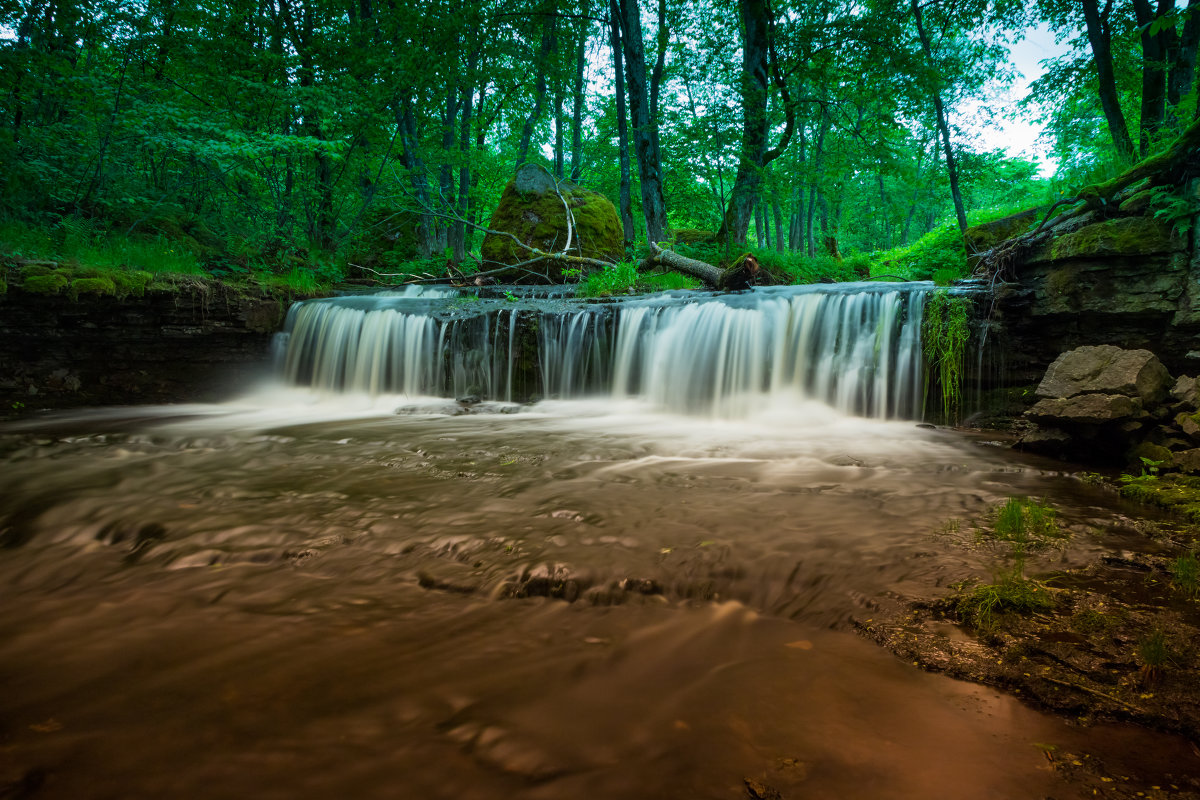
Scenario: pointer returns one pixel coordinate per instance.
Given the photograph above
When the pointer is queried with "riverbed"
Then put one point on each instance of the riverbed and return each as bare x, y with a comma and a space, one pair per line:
409, 597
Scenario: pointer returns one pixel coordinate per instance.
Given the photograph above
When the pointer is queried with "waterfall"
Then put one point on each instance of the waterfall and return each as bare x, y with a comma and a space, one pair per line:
855, 347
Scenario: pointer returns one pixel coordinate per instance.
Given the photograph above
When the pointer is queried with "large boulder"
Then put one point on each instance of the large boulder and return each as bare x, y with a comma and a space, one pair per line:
1096, 403
1106, 369
533, 209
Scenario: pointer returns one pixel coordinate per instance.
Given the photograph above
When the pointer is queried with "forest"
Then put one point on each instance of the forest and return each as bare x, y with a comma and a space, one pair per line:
308, 141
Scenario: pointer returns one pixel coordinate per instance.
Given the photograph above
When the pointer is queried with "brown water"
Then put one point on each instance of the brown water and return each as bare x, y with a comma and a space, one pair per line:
580, 601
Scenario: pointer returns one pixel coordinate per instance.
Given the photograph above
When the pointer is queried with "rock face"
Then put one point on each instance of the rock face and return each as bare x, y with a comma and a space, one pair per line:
532, 210
1132, 281
201, 343
1116, 406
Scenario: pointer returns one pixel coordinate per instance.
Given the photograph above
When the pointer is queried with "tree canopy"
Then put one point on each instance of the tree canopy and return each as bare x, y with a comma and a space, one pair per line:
283, 132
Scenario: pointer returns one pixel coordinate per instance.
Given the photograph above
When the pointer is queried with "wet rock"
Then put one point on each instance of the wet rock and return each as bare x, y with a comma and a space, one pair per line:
760, 791
1046, 441
1186, 391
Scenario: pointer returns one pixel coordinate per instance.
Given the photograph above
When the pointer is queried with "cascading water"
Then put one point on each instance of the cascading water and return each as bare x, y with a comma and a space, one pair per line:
855, 347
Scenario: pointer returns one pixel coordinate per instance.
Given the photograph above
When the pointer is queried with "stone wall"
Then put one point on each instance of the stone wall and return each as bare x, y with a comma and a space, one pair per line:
199, 343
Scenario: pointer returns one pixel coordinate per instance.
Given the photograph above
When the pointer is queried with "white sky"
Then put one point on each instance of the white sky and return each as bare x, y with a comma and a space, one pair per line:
1011, 129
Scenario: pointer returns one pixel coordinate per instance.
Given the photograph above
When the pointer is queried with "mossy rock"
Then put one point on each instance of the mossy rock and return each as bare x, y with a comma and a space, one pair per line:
987, 235
1126, 236
96, 286
37, 271
54, 283
131, 283
531, 210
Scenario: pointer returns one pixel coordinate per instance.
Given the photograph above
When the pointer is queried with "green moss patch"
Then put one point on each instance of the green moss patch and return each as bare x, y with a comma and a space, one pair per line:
1125, 236
96, 286
53, 283
1178, 494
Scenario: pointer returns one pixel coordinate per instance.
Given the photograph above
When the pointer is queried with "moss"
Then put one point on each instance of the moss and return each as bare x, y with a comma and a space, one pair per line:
692, 236
983, 237
53, 283
37, 271
131, 283
539, 221
1124, 236
3, 286
1060, 281
96, 286
1178, 494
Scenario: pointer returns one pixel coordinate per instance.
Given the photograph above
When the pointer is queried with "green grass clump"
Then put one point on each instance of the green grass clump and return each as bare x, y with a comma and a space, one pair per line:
613, 280
940, 252
53, 283
1011, 592
1185, 575
667, 282
1025, 523
945, 331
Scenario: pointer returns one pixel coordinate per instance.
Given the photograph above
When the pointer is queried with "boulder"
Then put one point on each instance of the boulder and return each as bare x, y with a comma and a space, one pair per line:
1088, 409
532, 210
1186, 391
1106, 369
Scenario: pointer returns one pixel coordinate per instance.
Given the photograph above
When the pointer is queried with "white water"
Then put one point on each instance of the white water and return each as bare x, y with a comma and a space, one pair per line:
855, 347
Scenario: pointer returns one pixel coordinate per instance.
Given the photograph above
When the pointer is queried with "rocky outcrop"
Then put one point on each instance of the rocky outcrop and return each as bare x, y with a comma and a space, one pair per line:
1111, 405
533, 210
199, 342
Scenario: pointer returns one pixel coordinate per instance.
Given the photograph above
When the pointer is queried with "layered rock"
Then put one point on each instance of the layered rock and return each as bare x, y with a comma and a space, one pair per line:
1118, 406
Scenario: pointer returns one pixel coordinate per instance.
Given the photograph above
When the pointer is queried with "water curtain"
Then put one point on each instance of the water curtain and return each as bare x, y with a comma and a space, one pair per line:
855, 347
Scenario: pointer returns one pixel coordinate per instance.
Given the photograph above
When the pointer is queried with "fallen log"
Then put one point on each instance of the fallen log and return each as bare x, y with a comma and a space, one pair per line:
744, 273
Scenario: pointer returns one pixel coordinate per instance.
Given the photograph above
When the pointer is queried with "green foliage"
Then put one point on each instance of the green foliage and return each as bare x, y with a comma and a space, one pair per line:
1011, 592
617, 279
945, 331
1176, 206
667, 282
1185, 575
939, 252
1154, 652
1025, 524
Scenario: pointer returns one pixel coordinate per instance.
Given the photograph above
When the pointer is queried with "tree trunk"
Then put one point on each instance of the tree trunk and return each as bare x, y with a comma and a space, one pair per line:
754, 121
778, 212
459, 242
577, 110
539, 100
1100, 39
943, 126
1183, 66
1154, 72
758, 224
412, 162
626, 199
818, 164
446, 173
690, 266
645, 125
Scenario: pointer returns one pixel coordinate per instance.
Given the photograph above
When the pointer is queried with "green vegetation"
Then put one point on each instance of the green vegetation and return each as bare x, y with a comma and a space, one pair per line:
945, 331
1185, 575
624, 278
1011, 592
1178, 494
1154, 653
1025, 524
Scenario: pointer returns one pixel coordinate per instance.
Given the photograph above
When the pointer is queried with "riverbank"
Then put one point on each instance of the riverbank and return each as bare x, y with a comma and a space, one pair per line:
1096, 619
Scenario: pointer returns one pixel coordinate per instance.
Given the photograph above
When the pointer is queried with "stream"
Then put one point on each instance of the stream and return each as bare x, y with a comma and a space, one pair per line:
300, 594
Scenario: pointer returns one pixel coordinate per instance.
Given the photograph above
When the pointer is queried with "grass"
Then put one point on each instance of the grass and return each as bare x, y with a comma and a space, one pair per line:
1024, 524
1179, 494
1154, 653
1185, 575
624, 278
1011, 592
